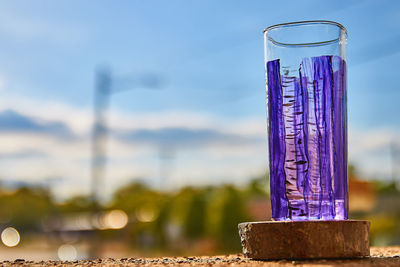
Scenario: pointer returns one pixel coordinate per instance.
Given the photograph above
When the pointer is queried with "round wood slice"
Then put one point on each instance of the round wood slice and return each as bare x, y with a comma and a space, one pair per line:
305, 239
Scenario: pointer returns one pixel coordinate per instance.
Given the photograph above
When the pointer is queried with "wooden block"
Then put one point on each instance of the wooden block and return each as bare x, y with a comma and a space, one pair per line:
305, 239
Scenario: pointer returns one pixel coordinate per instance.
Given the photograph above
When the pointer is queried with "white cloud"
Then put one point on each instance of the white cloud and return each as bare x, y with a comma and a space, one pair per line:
370, 151
212, 162
79, 120
70, 159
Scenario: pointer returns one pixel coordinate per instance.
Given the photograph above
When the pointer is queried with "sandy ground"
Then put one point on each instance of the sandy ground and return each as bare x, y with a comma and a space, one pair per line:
385, 256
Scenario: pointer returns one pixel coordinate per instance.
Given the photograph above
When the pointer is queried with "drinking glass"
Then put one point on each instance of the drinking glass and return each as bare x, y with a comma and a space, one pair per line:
305, 65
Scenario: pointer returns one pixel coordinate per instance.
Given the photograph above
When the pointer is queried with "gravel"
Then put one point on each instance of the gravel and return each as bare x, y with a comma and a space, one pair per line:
384, 256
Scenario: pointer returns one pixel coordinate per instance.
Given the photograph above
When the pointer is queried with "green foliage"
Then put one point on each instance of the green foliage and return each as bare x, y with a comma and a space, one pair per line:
385, 188
76, 204
179, 221
196, 213
351, 170
257, 187
231, 213
25, 208
195, 219
147, 209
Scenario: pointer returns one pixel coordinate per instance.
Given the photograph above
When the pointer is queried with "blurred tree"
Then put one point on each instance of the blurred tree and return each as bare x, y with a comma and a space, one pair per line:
384, 188
76, 204
161, 224
231, 213
351, 171
25, 208
148, 211
194, 222
257, 187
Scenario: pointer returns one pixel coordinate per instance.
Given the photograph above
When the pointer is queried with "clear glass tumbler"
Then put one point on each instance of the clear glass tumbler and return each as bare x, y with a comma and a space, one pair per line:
307, 120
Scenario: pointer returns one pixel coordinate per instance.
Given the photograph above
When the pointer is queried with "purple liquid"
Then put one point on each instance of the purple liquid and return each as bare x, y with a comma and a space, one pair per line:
307, 122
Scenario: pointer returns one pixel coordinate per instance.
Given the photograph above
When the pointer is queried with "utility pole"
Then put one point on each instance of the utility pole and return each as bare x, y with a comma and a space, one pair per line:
166, 155
99, 139
394, 156
105, 86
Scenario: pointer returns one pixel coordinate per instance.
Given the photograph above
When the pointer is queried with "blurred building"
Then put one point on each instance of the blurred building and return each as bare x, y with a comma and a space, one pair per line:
362, 195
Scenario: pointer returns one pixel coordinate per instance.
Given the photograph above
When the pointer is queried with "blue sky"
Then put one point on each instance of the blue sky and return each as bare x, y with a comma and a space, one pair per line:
209, 57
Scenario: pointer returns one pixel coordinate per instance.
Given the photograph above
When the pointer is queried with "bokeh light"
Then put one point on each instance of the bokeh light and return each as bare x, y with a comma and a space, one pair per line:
115, 219
67, 252
146, 214
10, 237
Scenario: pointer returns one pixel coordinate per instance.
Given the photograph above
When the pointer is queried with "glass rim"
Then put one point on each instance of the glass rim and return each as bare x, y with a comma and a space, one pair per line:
305, 22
